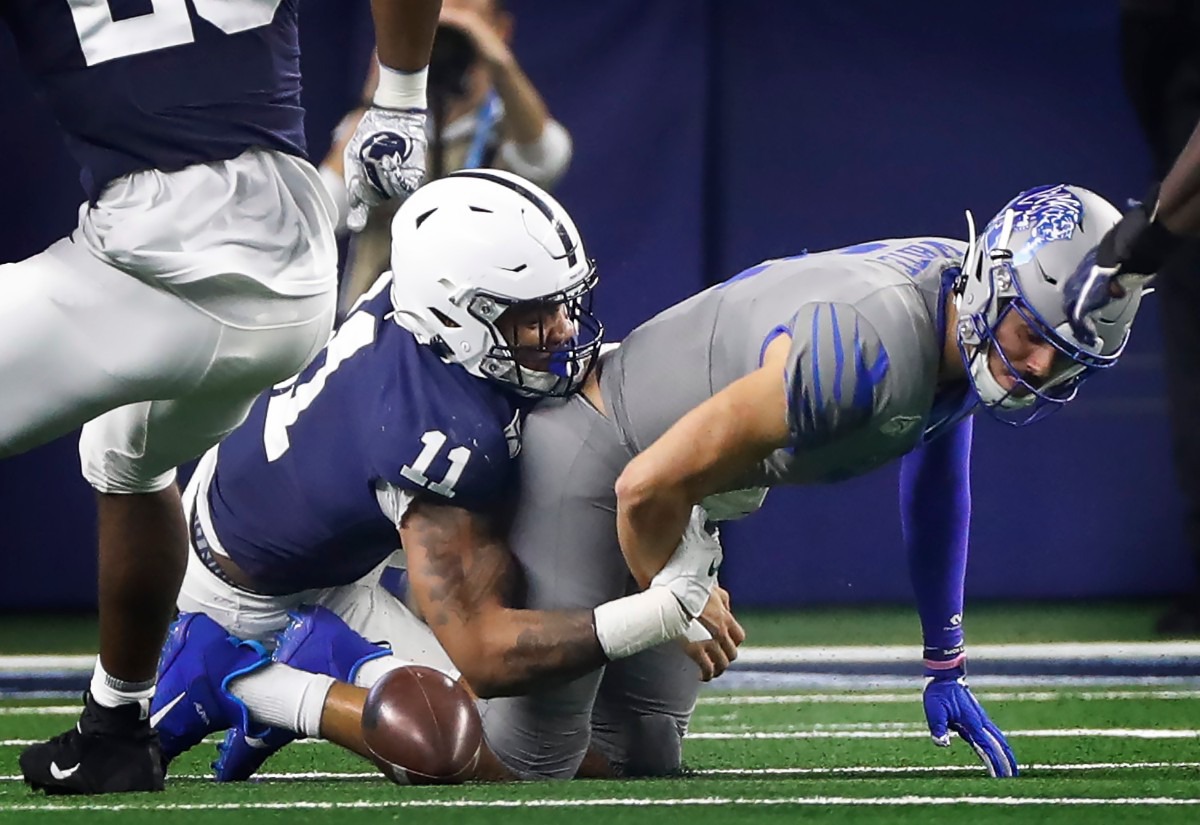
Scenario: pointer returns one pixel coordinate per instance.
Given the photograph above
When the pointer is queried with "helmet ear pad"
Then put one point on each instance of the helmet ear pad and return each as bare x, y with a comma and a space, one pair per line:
467, 247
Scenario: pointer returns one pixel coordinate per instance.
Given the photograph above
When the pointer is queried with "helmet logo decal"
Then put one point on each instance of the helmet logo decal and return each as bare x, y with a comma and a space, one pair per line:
1048, 214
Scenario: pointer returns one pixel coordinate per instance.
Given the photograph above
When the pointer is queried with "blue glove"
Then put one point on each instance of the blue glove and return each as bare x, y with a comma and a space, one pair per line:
950, 706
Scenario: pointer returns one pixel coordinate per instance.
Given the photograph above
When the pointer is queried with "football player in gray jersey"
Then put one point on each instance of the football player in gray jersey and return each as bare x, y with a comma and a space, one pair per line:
800, 370
826, 366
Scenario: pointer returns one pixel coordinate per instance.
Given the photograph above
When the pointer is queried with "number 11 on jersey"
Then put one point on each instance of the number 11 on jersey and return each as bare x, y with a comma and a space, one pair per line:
434, 440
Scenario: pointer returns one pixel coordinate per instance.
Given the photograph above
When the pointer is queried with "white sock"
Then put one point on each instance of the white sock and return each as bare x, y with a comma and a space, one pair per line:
285, 697
371, 672
110, 691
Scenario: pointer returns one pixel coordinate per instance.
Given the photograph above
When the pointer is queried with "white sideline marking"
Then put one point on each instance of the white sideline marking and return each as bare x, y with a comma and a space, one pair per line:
860, 698
752, 655
621, 802
849, 698
43, 662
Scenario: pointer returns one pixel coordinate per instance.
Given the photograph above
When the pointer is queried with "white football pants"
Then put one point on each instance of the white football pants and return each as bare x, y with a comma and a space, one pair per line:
178, 299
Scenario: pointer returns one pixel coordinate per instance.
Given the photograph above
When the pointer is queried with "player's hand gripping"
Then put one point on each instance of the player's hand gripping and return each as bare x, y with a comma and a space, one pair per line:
384, 159
950, 706
724, 635
691, 572
1129, 255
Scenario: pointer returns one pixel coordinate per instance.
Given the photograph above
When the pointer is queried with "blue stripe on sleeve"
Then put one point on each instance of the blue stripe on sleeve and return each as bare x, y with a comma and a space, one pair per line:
818, 401
838, 355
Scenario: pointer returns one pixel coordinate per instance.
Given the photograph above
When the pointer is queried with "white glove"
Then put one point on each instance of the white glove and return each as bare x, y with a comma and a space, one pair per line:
691, 572
384, 159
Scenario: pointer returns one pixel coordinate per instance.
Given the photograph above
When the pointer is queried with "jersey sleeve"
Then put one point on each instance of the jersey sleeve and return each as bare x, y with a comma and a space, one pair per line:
837, 372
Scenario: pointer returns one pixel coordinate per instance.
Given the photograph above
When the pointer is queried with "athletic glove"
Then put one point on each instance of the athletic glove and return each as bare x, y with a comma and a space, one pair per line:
384, 159
1129, 255
950, 706
691, 572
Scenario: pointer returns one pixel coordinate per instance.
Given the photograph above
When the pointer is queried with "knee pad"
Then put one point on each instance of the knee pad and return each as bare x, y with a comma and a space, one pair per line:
655, 746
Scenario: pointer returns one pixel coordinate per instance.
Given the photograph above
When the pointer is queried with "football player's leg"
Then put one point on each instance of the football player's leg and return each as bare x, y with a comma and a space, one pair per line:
353, 634
369, 609
564, 538
129, 455
81, 338
642, 711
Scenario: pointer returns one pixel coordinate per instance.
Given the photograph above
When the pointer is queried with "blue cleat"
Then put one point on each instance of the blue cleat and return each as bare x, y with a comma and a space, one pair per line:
198, 660
318, 641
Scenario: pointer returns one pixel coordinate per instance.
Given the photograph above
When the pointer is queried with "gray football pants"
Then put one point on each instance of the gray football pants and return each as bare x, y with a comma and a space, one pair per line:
564, 538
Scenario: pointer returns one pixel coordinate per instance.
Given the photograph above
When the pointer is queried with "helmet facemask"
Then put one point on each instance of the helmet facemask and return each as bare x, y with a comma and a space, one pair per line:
561, 368
990, 296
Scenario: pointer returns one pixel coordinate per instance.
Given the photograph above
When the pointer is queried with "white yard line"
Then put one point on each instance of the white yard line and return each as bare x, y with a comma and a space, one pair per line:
850, 770
889, 733
622, 802
882, 730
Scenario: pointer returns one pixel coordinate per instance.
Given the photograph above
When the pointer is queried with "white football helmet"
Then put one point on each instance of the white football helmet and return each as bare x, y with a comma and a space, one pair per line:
470, 245
1020, 263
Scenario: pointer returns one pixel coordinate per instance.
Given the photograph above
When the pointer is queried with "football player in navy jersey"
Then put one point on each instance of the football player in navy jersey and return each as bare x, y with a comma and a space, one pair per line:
202, 270
401, 433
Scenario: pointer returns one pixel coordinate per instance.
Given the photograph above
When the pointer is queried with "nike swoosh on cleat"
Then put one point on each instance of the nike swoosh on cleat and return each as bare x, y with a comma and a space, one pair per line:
255, 742
165, 709
62, 773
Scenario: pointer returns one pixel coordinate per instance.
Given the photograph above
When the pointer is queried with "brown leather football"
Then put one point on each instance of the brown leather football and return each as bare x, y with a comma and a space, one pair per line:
422, 727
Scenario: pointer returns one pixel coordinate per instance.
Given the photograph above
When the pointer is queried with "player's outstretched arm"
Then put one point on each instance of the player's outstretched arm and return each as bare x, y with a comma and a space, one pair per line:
404, 31
1141, 243
935, 505
385, 157
706, 451
462, 576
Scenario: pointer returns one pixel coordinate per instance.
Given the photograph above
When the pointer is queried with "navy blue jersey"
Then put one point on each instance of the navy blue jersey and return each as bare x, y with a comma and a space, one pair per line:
163, 86
295, 499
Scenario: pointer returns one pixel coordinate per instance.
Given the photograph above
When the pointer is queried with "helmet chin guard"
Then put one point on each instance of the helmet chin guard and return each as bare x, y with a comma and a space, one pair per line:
1019, 264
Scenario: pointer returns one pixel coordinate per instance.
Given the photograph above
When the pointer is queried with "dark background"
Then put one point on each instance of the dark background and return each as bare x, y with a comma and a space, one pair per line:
710, 135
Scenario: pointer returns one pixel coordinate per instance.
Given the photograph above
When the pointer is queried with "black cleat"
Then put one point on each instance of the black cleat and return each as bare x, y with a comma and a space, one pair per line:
110, 750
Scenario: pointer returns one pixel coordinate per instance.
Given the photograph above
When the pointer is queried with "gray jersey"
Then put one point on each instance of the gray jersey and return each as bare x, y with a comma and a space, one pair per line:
862, 371
861, 377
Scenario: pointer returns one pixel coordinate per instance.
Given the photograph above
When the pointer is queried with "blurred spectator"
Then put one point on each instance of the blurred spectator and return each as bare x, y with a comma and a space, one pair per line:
484, 111
1160, 57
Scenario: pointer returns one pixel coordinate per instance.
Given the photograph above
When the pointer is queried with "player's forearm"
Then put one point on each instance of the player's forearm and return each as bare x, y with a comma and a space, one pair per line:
935, 504
650, 522
1179, 196
404, 32
527, 648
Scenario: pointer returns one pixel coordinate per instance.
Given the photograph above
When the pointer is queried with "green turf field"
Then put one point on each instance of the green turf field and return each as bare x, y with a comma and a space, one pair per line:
1118, 753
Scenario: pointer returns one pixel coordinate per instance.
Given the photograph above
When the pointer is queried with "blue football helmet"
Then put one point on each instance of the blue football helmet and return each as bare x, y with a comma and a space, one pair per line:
1020, 263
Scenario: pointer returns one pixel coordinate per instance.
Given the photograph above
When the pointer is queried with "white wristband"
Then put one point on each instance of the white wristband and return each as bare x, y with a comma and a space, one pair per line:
635, 623
400, 90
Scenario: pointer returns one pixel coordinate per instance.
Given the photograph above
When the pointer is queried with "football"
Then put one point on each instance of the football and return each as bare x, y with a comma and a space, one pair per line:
422, 727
